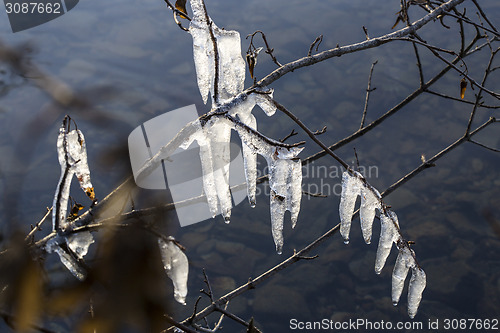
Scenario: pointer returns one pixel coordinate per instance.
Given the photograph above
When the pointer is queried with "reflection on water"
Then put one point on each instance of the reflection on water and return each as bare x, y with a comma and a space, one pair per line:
130, 63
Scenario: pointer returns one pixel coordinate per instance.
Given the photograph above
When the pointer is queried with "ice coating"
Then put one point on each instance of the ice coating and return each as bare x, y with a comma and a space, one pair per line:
277, 203
403, 263
72, 155
416, 288
219, 134
70, 262
351, 188
388, 235
79, 243
244, 112
215, 158
231, 65
285, 181
370, 200
78, 154
262, 145
203, 53
176, 266
294, 190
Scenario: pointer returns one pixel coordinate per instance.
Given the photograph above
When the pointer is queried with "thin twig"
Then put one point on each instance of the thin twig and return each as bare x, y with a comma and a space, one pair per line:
484, 15
38, 225
481, 105
181, 326
251, 284
289, 135
485, 146
478, 95
367, 97
316, 43
310, 133
419, 65
269, 50
432, 160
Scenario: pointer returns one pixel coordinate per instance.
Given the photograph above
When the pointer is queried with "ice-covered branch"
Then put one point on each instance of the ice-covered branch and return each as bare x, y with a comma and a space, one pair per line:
371, 43
404, 102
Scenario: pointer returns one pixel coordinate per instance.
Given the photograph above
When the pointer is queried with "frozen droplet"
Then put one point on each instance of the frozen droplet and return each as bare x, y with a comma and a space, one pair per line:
346, 241
252, 204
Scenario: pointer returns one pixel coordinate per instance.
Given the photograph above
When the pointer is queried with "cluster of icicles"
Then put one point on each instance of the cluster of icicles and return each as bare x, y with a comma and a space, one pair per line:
285, 170
225, 86
72, 247
354, 185
212, 133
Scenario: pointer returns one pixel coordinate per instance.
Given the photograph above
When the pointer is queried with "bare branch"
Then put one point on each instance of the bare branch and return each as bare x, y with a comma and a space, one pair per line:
373, 42
368, 91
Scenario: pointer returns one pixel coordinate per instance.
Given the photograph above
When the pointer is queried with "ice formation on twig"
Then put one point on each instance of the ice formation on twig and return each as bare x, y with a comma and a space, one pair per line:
176, 266
72, 155
215, 49
354, 184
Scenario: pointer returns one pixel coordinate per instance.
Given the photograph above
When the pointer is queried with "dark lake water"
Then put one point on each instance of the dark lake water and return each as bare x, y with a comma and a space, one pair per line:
129, 62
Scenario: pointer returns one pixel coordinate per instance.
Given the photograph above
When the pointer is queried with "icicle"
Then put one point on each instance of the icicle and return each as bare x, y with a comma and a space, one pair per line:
415, 290
277, 203
231, 65
208, 175
404, 262
370, 200
203, 53
219, 134
351, 187
388, 235
285, 181
214, 142
79, 243
278, 174
176, 266
294, 190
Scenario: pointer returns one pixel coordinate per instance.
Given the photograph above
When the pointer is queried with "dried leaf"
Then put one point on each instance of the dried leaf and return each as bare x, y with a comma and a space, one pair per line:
399, 19
463, 86
251, 63
180, 5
